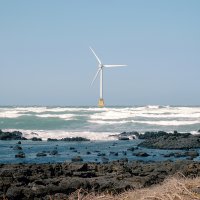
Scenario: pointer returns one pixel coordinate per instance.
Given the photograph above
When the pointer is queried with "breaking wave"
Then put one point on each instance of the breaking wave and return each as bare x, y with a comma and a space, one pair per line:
97, 123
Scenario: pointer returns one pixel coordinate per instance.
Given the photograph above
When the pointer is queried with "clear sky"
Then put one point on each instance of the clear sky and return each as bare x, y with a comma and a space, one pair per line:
45, 57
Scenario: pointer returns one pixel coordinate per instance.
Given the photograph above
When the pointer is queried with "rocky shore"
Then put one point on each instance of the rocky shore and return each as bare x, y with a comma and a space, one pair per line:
40, 181
163, 140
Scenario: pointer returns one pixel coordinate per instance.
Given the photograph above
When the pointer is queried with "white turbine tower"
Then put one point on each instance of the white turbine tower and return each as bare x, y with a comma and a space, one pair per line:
100, 70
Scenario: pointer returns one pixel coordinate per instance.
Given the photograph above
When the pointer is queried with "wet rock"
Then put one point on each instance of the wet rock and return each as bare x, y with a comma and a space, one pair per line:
20, 155
105, 160
101, 154
123, 160
15, 135
162, 140
77, 159
19, 142
132, 133
114, 153
76, 139
114, 143
131, 149
36, 139
152, 135
123, 138
126, 135
41, 154
175, 154
54, 152
141, 154
52, 140
17, 147
192, 154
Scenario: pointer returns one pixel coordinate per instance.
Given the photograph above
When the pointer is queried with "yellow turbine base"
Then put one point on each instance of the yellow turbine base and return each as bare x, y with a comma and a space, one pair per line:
101, 103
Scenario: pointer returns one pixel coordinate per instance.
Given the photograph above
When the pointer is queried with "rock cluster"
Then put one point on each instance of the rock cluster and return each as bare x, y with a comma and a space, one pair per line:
163, 140
15, 135
38, 181
69, 139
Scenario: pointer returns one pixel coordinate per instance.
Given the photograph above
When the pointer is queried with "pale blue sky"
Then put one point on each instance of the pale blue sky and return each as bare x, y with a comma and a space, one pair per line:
45, 57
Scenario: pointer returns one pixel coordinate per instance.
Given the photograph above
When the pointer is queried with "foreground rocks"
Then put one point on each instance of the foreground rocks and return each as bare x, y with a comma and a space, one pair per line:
38, 181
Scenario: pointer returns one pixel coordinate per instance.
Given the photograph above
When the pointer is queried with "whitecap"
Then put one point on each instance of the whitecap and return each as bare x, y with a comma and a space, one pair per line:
59, 134
168, 123
61, 116
109, 122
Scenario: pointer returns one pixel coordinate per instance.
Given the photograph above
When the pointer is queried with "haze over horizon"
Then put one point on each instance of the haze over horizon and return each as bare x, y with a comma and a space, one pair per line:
45, 57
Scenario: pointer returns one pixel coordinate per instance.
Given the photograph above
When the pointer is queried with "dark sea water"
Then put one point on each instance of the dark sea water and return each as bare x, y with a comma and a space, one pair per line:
96, 124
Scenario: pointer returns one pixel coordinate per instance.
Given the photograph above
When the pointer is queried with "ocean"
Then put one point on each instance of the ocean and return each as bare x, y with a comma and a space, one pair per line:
97, 123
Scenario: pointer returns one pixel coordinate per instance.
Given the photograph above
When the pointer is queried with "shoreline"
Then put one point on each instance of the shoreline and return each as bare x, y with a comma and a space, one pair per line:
117, 166
148, 147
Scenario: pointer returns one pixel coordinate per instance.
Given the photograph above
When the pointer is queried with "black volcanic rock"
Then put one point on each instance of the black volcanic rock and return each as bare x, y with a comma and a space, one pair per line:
41, 181
20, 155
192, 154
126, 135
69, 139
15, 135
36, 139
41, 154
123, 138
77, 159
141, 154
17, 147
52, 140
54, 152
162, 140
72, 139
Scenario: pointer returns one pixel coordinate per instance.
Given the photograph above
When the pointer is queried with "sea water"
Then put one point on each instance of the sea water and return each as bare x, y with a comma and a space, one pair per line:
97, 123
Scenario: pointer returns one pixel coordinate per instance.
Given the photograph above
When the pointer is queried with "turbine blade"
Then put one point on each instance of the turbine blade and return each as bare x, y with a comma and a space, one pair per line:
95, 76
114, 65
95, 55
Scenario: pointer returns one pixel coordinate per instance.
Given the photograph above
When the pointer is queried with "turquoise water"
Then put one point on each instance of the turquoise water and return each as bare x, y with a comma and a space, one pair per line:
97, 123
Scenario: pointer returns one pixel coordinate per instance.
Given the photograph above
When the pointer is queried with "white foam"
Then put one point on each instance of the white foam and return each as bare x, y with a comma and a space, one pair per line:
172, 115
61, 116
168, 123
109, 122
111, 115
10, 114
59, 134
153, 106
147, 112
31, 109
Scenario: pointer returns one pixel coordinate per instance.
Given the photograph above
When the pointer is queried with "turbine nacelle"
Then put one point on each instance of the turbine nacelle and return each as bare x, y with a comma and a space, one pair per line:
101, 66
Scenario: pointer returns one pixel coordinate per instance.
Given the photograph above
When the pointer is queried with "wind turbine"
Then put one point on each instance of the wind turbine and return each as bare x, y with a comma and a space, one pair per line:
100, 70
